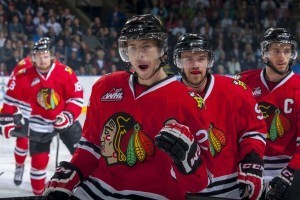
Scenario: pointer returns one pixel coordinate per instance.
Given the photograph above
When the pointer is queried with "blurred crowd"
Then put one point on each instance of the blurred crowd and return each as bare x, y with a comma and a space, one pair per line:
235, 28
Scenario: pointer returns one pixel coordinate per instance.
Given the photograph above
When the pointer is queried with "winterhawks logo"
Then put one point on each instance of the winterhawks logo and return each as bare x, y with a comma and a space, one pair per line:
113, 95
256, 92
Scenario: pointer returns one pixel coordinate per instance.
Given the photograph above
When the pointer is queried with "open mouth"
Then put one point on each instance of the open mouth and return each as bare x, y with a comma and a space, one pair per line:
195, 72
143, 67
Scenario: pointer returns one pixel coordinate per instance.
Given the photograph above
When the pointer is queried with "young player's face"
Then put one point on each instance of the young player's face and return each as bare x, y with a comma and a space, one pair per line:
195, 65
43, 61
279, 55
144, 57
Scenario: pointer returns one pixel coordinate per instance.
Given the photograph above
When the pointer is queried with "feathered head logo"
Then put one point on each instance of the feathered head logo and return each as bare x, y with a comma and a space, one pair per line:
48, 98
278, 123
123, 141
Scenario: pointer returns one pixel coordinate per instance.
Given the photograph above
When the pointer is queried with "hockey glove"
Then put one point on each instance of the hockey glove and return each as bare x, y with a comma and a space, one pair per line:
177, 141
63, 121
280, 184
250, 178
62, 183
7, 124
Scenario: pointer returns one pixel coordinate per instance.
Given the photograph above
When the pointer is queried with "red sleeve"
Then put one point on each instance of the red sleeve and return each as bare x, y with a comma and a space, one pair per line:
74, 93
295, 161
87, 154
7, 109
14, 94
252, 127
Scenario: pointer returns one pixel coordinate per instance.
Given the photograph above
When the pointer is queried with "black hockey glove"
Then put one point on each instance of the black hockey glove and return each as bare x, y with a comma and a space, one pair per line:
250, 178
177, 141
280, 184
62, 183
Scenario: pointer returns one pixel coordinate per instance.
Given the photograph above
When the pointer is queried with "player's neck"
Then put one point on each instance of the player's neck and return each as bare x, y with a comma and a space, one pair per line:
273, 76
158, 76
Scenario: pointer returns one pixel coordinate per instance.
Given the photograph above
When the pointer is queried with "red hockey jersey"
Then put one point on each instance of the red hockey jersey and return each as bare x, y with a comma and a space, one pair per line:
117, 154
45, 96
281, 110
236, 128
19, 68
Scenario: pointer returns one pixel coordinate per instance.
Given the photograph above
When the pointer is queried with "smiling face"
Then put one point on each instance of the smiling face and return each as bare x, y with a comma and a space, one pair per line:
195, 65
279, 55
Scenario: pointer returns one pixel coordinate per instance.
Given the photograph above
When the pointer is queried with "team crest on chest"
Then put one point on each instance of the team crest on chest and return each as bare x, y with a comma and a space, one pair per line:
48, 98
278, 123
216, 138
124, 142
116, 94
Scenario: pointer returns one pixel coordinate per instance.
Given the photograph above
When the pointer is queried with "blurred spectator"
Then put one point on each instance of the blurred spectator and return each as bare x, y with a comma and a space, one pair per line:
7, 53
37, 17
15, 29
159, 9
61, 48
113, 57
3, 69
66, 15
117, 18
13, 61
96, 25
171, 21
207, 30
200, 19
90, 39
2, 11
269, 21
74, 62
51, 34
296, 67
234, 66
180, 29
221, 70
3, 24
2, 39
81, 71
12, 11
28, 26
55, 25
248, 62
88, 62
38, 35
99, 61
77, 28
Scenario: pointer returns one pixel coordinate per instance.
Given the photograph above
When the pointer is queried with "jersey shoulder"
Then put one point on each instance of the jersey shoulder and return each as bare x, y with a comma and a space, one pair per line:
248, 73
62, 68
230, 85
115, 78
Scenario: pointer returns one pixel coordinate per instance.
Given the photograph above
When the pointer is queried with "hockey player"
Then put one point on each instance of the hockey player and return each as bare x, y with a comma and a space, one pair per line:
277, 91
21, 118
51, 93
237, 130
139, 136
